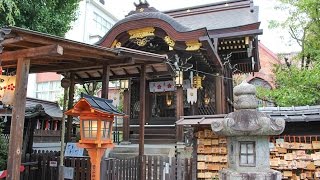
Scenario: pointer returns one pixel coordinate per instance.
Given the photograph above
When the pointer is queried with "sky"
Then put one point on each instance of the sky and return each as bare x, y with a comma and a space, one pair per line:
277, 40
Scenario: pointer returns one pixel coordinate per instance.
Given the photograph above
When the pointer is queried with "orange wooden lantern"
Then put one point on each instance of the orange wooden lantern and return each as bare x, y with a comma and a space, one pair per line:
96, 119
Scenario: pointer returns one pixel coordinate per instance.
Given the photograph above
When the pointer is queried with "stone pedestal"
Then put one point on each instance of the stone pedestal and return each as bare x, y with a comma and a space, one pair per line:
247, 132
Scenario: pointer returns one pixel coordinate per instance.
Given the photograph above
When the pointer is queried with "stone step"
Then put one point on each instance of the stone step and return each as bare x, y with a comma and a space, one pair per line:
154, 136
154, 141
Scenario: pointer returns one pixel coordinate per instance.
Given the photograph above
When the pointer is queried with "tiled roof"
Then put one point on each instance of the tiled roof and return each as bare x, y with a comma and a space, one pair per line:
294, 114
101, 104
221, 19
37, 107
289, 114
50, 108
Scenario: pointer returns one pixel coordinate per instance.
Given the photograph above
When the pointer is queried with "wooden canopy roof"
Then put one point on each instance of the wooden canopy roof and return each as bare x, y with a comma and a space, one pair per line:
55, 54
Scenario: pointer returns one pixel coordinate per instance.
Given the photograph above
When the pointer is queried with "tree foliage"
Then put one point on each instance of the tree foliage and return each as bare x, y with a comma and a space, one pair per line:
297, 83
8, 9
3, 151
303, 25
50, 16
295, 87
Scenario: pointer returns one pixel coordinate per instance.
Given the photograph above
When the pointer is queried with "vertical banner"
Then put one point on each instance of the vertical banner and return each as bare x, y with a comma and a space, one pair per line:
192, 95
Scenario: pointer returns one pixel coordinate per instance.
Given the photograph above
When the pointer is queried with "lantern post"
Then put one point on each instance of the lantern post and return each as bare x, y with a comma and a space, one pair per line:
96, 119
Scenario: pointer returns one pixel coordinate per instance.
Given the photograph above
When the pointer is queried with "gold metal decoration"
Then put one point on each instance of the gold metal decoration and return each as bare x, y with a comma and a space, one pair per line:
141, 41
169, 41
193, 45
116, 44
197, 81
141, 33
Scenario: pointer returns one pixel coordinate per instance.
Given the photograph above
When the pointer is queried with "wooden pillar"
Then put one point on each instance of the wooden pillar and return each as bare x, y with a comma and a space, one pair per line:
105, 81
148, 106
179, 113
17, 120
219, 96
142, 120
70, 105
126, 110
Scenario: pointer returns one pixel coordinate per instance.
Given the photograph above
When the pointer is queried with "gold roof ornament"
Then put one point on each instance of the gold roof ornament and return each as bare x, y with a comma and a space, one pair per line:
169, 41
116, 44
193, 45
141, 41
141, 33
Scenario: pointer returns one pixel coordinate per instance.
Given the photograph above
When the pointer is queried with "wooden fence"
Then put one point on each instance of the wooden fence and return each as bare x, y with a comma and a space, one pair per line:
45, 166
156, 168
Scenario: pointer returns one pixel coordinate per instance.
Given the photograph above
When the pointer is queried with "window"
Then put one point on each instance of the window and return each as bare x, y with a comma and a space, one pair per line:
247, 154
101, 23
48, 90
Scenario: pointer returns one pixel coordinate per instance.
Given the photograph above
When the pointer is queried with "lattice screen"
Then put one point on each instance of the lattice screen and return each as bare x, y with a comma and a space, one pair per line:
209, 89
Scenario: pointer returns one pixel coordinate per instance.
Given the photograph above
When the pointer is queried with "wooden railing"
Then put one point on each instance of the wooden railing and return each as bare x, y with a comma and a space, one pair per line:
156, 168
40, 132
44, 166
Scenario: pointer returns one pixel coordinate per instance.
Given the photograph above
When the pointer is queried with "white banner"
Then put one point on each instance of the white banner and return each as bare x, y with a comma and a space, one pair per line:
192, 95
165, 86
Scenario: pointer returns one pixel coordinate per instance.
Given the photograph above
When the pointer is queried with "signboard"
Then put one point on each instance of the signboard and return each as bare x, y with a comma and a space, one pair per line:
53, 164
72, 150
68, 172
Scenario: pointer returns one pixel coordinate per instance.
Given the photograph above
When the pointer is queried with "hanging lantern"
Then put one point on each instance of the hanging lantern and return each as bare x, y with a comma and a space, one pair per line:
206, 99
124, 84
179, 78
197, 81
168, 100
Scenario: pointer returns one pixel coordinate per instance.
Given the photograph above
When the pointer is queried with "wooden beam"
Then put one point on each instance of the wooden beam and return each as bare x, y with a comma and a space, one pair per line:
17, 120
70, 44
50, 50
125, 71
105, 81
11, 40
89, 76
142, 120
153, 69
70, 105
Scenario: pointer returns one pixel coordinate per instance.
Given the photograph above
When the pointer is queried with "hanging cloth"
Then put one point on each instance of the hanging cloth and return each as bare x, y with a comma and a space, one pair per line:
192, 95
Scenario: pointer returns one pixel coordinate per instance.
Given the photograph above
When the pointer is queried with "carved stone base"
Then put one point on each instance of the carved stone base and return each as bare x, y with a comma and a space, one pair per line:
228, 174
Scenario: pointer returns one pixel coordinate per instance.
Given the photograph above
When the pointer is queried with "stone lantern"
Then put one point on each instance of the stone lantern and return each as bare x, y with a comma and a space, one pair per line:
247, 132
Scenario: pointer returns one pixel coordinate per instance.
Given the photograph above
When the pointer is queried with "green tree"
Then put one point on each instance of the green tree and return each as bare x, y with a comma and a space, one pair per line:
295, 86
3, 151
8, 9
297, 83
303, 25
50, 16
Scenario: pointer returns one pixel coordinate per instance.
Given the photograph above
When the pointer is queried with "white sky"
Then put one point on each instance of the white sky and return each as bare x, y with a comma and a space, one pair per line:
276, 40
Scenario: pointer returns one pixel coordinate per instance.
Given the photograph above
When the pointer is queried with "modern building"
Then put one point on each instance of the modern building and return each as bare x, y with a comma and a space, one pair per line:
93, 22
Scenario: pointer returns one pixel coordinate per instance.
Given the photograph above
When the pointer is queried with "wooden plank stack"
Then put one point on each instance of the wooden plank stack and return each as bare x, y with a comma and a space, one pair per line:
297, 157
211, 154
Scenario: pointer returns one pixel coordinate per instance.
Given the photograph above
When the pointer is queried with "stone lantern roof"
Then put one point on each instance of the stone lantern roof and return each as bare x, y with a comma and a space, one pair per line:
246, 120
